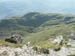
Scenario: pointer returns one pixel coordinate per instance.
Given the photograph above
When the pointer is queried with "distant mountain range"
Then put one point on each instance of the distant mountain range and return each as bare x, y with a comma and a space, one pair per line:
36, 22
10, 8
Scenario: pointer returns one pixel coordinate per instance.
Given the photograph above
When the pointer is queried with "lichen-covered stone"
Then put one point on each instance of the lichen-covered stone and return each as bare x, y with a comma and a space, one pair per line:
15, 39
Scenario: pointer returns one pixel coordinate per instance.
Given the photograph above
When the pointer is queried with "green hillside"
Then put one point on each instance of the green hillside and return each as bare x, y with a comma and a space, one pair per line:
36, 25
51, 32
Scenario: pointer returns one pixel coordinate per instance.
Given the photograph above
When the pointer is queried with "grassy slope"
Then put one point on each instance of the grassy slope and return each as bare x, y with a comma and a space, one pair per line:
51, 32
49, 25
10, 44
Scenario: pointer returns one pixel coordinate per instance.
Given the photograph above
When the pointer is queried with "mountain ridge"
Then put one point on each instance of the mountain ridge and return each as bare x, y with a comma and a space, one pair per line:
33, 22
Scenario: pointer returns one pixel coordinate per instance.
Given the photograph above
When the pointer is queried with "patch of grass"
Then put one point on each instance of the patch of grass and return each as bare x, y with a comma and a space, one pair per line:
10, 44
72, 55
47, 45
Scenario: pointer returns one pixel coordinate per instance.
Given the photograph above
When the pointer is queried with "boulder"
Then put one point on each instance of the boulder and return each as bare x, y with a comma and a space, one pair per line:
45, 51
10, 40
58, 40
14, 39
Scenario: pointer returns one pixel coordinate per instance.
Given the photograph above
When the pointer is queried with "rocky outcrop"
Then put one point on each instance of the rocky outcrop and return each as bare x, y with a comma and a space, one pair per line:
58, 40
20, 51
63, 52
28, 51
14, 39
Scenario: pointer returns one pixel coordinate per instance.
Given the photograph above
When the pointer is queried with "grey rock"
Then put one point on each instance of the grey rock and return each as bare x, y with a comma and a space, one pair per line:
15, 39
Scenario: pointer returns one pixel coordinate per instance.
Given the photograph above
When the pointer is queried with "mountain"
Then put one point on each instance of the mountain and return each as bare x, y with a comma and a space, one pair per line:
10, 8
34, 23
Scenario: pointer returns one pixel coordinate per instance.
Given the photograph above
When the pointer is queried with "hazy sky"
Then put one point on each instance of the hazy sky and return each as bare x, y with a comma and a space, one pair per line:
45, 5
24, 6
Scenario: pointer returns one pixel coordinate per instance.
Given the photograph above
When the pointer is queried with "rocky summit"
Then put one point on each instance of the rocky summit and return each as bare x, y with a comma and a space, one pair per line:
28, 51
64, 49
37, 28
